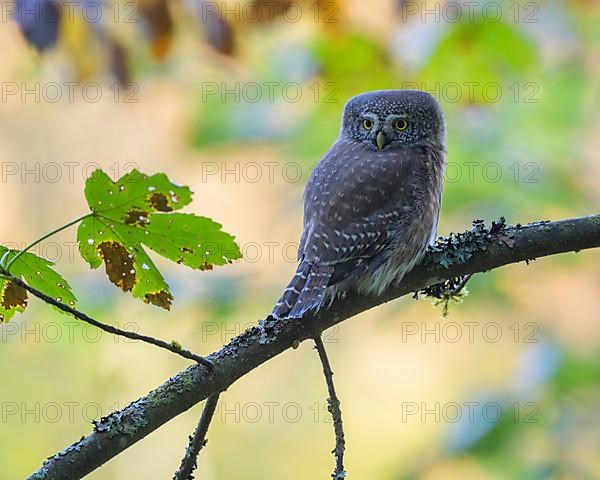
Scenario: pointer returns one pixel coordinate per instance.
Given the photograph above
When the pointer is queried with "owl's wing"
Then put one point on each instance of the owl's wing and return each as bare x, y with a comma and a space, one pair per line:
356, 202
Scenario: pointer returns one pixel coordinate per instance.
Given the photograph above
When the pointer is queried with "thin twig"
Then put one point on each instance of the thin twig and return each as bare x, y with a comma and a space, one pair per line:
172, 347
189, 463
333, 405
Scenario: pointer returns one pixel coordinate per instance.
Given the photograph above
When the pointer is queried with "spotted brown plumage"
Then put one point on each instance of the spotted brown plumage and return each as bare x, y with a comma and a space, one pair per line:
371, 205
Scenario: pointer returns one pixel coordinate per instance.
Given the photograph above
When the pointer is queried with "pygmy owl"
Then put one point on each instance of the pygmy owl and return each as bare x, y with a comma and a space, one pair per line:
371, 205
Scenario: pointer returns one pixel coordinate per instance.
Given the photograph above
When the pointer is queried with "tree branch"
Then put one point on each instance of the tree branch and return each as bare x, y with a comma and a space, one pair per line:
333, 405
478, 250
189, 462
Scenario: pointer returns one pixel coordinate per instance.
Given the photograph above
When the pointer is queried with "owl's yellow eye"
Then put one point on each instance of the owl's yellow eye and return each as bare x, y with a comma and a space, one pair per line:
368, 124
400, 125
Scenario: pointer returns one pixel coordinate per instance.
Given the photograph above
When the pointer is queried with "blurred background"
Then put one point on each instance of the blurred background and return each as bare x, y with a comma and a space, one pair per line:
239, 100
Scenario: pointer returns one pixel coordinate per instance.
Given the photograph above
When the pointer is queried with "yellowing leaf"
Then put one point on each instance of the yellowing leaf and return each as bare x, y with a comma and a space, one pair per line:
136, 211
37, 272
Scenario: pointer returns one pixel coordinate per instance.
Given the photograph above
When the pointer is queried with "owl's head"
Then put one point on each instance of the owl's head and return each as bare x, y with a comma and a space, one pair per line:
387, 119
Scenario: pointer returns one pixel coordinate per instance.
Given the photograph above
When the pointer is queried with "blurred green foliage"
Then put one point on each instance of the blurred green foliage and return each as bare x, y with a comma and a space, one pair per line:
521, 101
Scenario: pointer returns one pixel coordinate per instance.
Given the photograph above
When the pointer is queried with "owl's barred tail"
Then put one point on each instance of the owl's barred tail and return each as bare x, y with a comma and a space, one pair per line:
305, 292
291, 294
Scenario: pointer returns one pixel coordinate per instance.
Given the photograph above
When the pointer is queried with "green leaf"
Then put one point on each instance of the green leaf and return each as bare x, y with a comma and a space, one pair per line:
37, 272
135, 211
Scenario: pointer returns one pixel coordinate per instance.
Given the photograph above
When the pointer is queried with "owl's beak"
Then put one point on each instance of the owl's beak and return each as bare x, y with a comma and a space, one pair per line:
381, 140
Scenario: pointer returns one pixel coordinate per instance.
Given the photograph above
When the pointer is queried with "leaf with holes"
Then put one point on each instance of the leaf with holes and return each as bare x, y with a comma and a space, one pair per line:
37, 272
137, 211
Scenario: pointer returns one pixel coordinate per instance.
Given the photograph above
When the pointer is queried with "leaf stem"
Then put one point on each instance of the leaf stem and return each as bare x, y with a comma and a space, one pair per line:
41, 239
